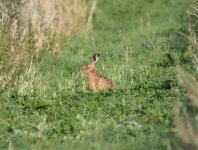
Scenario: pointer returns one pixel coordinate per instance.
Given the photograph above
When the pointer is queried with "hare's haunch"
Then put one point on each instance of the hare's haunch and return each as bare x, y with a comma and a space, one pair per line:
96, 82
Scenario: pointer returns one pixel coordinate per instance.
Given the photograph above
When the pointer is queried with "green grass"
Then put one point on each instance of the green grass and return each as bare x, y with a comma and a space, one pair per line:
51, 108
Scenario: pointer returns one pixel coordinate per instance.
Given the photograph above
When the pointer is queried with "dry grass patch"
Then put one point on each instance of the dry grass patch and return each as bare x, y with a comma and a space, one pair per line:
29, 28
186, 124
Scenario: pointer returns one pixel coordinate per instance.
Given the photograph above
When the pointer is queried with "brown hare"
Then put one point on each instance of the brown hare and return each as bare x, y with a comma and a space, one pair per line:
96, 82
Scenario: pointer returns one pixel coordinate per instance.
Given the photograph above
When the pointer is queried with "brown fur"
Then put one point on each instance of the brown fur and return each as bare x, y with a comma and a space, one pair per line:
96, 82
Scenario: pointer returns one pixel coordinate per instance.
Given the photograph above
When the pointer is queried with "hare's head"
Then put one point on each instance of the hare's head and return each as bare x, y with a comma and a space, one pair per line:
90, 67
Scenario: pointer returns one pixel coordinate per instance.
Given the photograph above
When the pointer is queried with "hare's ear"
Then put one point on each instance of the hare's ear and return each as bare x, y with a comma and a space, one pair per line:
95, 58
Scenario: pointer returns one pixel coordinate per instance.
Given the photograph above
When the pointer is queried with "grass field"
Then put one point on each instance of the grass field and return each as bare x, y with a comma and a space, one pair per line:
51, 108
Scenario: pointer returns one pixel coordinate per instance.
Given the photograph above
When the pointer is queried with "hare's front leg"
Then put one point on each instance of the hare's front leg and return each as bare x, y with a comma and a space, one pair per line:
92, 85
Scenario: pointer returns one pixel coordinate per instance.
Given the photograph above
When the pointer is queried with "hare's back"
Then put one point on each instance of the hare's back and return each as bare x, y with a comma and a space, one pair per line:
103, 83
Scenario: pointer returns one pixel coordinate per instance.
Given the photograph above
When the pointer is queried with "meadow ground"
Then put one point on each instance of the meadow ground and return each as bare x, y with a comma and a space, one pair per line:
51, 108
